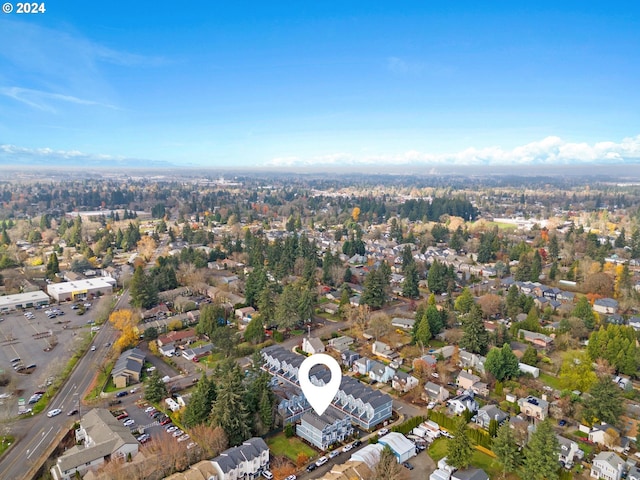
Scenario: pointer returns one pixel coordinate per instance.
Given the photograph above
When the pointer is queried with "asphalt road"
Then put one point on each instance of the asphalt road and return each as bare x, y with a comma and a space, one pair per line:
35, 435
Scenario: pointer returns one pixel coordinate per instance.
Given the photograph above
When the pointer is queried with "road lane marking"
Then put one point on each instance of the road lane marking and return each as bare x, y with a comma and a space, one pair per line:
44, 436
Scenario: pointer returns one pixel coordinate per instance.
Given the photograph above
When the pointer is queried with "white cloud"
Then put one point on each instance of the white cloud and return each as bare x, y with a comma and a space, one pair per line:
41, 100
400, 66
551, 150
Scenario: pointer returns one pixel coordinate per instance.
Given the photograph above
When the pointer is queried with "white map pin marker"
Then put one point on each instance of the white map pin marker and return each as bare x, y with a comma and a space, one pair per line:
319, 397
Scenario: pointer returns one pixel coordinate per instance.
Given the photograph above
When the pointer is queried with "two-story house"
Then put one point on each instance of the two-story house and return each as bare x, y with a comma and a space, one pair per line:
100, 438
244, 462
435, 392
534, 407
323, 431
403, 382
490, 412
607, 465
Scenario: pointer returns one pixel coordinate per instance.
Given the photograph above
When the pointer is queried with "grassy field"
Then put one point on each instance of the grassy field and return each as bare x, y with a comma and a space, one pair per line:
438, 450
7, 441
289, 447
550, 380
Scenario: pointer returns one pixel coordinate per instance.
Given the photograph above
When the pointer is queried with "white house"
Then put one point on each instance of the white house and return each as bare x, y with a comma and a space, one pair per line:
312, 345
568, 451
380, 372
463, 402
607, 465
403, 382
605, 305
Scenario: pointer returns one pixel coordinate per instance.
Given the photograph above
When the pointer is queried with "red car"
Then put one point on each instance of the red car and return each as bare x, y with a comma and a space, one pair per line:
165, 421
122, 416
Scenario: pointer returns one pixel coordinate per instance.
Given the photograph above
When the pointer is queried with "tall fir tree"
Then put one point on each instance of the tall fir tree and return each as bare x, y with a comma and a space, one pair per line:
541, 454
475, 337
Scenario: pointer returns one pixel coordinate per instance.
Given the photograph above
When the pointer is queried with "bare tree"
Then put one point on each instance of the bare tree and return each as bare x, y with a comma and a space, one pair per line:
379, 325
212, 440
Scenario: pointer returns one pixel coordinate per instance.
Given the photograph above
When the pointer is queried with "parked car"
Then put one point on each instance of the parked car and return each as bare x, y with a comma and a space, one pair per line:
267, 474
346, 448
321, 461
128, 423
165, 421
357, 443
291, 477
383, 431
334, 453
122, 416
311, 467
407, 465
122, 394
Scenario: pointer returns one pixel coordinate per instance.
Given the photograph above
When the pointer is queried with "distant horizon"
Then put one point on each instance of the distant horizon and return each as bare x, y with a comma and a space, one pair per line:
323, 85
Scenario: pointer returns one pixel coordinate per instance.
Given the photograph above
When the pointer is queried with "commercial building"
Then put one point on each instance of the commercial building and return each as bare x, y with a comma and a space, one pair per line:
80, 289
23, 300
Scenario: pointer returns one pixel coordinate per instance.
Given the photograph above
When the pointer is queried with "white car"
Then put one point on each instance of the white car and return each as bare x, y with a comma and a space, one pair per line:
149, 409
128, 422
93, 348
5, 395
291, 477
334, 453
321, 461
54, 412
184, 437
267, 474
346, 448
383, 431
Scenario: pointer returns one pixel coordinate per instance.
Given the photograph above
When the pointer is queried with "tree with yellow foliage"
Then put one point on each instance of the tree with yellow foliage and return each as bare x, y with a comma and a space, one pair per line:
126, 322
355, 214
146, 247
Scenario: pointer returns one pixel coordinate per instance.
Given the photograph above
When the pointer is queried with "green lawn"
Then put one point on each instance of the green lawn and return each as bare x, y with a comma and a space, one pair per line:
550, 380
289, 447
438, 450
6, 442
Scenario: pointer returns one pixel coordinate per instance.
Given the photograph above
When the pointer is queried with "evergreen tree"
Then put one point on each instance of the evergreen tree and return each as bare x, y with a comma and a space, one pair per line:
459, 449
536, 267
530, 356
621, 240
374, 290
423, 333
502, 363
554, 248
541, 454
553, 271
156, 390
410, 283
199, 407
254, 333
229, 410
584, 311
143, 291
506, 449
286, 312
604, 403
475, 338
512, 302
267, 304
256, 281
436, 318
52, 266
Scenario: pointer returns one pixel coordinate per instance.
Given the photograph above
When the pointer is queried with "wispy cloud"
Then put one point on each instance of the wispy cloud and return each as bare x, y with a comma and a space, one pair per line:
16, 155
44, 100
548, 151
400, 66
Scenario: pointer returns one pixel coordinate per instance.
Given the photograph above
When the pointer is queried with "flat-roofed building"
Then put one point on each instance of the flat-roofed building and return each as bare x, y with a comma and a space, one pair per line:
80, 289
23, 300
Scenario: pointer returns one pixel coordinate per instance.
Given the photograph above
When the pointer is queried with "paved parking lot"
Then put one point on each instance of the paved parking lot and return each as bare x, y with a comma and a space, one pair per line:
29, 339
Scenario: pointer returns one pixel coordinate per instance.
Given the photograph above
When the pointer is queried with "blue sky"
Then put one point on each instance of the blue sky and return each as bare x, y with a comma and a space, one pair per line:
293, 84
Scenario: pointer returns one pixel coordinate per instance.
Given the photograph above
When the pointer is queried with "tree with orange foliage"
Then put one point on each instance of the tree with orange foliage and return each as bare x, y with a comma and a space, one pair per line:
302, 459
282, 468
355, 214
126, 322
